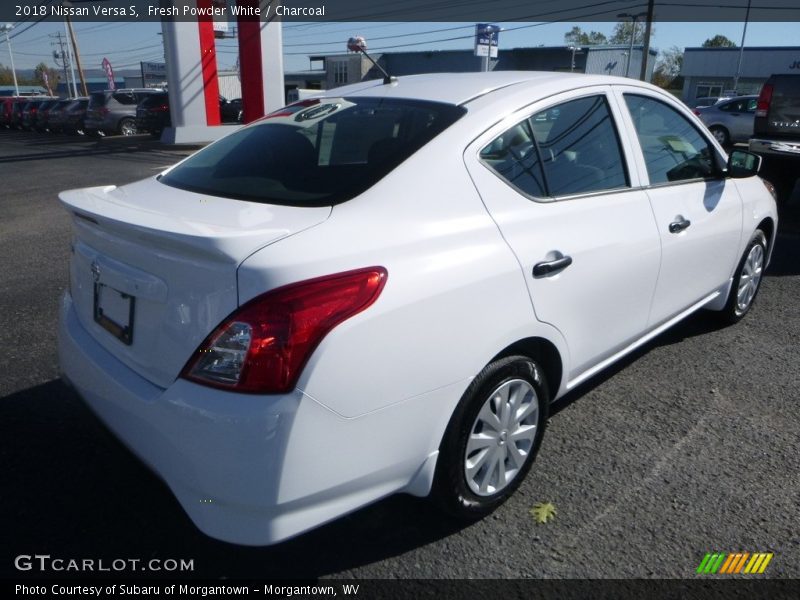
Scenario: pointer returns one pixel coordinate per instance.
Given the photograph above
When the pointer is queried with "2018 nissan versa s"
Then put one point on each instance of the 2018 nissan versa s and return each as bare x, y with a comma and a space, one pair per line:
382, 290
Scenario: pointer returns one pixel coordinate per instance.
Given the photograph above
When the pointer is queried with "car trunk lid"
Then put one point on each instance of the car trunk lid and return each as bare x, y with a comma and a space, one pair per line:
153, 268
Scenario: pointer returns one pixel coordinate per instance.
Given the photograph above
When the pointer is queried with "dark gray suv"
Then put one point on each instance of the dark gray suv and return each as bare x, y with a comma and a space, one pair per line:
114, 111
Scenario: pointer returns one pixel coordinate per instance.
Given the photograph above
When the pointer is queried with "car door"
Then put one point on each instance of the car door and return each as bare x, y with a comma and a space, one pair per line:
697, 210
555, 178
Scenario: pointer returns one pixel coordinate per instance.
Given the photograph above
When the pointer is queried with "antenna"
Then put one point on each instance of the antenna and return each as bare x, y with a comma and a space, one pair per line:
359, 44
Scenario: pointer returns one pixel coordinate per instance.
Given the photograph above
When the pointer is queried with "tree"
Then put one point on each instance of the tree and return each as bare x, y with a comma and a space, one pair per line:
577, 37
53, 76
622, 32
719, 41
6, 78
667, 72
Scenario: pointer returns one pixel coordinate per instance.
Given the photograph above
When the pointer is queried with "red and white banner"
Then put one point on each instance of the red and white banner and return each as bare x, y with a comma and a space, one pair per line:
109, 73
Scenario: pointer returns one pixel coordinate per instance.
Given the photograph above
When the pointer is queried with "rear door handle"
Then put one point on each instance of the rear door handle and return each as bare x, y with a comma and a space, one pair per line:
551, 266
678, 226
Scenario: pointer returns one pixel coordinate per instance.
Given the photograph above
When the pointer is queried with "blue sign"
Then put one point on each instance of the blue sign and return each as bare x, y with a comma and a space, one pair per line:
487, 37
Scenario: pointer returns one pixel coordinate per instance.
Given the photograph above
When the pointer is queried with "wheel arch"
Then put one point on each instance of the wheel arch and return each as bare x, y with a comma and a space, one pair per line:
545, 353
767, 225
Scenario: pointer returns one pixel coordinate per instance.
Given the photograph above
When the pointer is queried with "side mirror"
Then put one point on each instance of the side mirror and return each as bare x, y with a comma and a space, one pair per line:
743, 164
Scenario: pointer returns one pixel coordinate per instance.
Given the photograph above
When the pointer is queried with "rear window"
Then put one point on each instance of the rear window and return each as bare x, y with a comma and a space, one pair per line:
126, 98
314, 153
154, 100
97, 99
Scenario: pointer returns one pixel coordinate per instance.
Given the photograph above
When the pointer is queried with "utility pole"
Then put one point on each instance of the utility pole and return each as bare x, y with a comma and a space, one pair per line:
646, 46
633, 19
8, 28
71, 32
64, 56
741, 51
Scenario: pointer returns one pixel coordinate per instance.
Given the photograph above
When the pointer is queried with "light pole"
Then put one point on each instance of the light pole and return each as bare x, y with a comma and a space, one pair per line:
7, 28
633, 19
574, 49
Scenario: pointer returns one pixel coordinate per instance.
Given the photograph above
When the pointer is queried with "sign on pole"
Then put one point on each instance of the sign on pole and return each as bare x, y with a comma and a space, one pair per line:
487, 37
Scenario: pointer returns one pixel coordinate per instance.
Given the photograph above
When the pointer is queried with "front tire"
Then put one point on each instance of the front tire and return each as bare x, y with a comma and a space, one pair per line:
746, 279
492, 438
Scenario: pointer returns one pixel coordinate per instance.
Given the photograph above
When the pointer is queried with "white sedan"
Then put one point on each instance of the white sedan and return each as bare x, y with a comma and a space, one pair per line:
382, 290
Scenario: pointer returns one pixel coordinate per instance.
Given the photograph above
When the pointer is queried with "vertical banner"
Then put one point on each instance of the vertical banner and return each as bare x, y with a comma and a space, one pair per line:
109, 73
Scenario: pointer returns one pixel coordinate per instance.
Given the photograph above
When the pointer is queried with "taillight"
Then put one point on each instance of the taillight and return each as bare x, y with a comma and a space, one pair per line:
695, 111
103, 111
764, 99
161, 108
264, 345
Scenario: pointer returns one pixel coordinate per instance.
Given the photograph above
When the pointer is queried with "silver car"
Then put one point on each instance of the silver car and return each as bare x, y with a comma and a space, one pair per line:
730, 120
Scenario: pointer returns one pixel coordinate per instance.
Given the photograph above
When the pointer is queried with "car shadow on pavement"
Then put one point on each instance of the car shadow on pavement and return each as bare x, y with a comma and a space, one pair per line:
71, 490
785, 256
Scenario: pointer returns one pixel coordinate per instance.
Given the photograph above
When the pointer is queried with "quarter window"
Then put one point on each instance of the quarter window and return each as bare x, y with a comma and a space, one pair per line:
570, 148
674, 150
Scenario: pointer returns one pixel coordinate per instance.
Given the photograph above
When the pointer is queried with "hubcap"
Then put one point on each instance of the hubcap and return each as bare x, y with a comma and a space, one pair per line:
128, 129
750, 278
501, 438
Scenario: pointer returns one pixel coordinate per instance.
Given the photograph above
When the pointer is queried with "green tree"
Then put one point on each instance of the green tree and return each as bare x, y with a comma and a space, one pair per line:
667, 72
622, 32
53, 76
577, 37
6, 78
719, 41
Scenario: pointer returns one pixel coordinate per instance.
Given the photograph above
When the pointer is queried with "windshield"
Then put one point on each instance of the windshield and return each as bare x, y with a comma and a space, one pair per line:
314, 153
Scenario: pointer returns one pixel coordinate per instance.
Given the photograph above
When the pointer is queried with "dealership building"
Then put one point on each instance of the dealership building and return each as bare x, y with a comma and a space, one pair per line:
711, 71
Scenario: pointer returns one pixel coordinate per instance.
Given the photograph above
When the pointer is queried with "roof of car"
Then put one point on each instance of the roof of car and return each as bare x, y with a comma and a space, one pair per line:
458, 88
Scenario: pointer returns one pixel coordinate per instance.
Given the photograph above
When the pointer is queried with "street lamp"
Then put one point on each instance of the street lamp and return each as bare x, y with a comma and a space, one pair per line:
633, 19
574, 50
8, 28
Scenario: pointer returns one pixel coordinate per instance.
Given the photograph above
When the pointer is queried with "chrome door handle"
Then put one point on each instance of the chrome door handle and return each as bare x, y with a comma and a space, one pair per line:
551, 266
678, 226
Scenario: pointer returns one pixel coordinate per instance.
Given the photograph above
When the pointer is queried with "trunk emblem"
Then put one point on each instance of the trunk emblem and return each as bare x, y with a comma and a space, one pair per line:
95, 271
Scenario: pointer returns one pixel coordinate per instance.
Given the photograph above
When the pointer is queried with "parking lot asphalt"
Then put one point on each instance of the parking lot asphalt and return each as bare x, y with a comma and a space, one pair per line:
691, 445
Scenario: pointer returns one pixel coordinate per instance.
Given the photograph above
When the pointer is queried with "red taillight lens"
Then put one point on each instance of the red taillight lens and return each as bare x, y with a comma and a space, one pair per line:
103, 111
263, 346
764, 99
161, 108
695, 111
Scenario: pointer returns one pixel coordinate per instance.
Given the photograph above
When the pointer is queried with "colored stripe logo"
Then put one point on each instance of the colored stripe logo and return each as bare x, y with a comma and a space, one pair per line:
723, 563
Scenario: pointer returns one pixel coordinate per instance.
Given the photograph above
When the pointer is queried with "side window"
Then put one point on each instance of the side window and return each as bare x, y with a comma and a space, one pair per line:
570, 148
674, 150
125, 98
513, 156
751, 105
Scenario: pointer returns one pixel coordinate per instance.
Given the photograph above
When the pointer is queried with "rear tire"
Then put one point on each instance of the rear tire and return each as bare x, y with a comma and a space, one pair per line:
127, 127
492, 438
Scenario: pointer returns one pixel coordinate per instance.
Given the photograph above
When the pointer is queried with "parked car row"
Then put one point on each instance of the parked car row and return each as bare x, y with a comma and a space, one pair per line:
43, 114
110, 112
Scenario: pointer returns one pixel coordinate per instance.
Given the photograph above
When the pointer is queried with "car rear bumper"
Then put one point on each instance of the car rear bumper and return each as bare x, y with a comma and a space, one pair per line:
786, 148
247, 469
